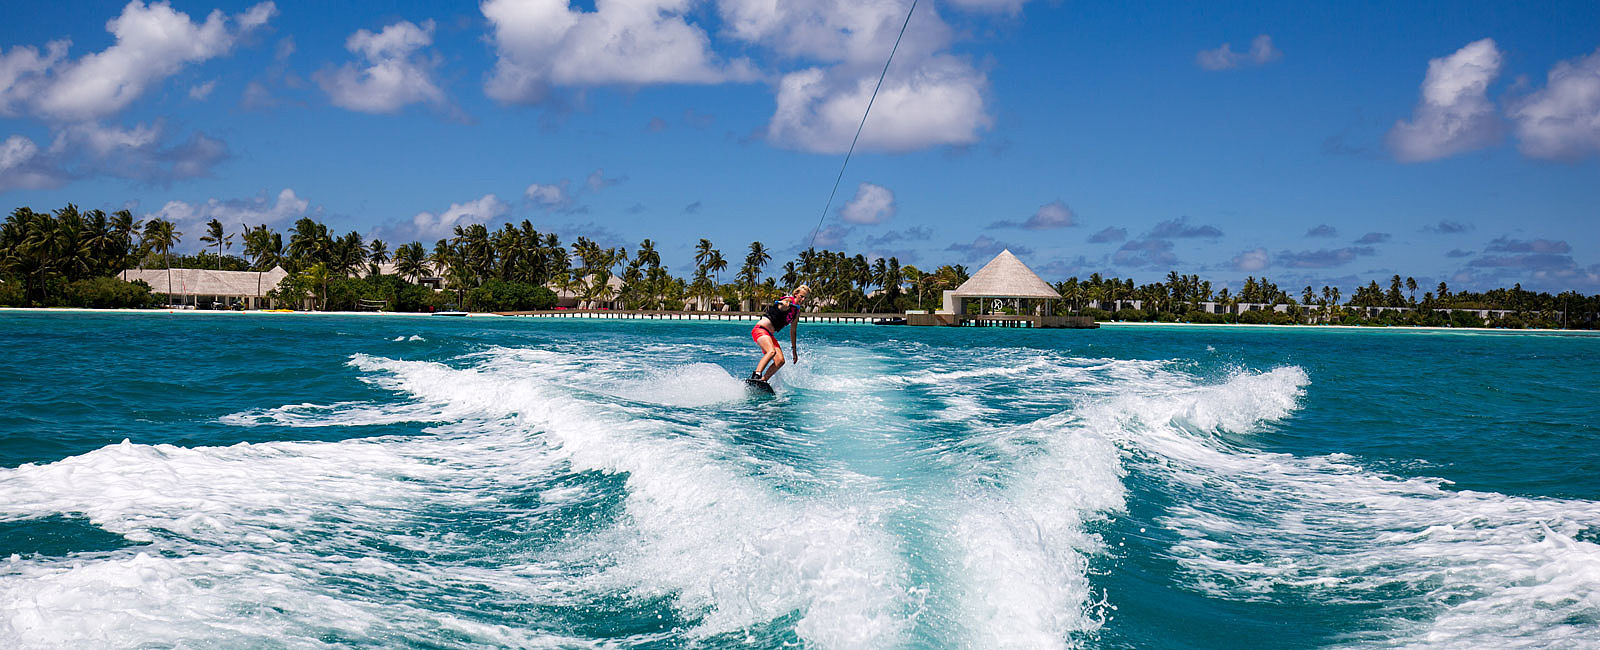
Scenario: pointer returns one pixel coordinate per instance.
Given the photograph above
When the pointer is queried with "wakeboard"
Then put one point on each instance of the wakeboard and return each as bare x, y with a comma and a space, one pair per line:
758, 386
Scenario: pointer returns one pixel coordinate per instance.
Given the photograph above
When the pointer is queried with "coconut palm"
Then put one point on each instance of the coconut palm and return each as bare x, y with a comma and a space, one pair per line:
377, 255
162, 235
410, 261
215, 237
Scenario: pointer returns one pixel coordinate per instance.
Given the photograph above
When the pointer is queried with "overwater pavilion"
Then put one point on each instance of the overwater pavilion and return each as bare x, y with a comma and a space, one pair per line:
1004, 282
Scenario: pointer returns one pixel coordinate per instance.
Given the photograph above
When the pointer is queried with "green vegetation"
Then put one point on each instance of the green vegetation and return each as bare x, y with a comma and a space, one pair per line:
70, 258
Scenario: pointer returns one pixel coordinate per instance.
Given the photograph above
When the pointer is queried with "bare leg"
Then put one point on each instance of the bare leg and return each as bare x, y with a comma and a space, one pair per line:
770, 350
777, 362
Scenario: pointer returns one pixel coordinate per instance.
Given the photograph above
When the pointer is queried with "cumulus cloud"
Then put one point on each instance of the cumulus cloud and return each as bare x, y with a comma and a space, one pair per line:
1447, 227
938, 103
1054, 214
1373, 238
1251, 260
22, 166
1261, 52
1454, 114
983, 248
1145, 253
1110, 234
1180, 228
1562, 120
871, 204
1323, 230
152, 42
141, 153
427, 225
540, 43
394, 71
929, 97
998, 6
286, 206
549, 197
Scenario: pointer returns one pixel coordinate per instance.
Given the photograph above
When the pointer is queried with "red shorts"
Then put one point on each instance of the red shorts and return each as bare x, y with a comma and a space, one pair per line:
758, 331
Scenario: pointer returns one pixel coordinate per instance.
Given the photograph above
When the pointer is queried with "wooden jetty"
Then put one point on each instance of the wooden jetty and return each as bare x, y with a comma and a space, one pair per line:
947, 320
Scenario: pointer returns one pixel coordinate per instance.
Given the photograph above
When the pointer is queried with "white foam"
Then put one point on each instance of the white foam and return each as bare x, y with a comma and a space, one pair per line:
1496, 570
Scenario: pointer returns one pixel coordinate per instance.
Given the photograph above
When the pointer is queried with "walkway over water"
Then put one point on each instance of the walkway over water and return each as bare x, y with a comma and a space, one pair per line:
949, 320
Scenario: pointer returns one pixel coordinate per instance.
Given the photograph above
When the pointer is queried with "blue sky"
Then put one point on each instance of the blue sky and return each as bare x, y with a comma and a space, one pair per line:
1312, 143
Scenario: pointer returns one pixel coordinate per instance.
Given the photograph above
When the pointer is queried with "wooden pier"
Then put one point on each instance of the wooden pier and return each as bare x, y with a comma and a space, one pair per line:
948, 320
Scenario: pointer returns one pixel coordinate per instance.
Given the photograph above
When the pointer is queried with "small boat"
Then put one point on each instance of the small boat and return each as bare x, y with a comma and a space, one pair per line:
889, 321
449, 313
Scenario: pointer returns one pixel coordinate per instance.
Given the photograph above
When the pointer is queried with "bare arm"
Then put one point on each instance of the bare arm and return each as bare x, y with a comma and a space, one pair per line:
794, 336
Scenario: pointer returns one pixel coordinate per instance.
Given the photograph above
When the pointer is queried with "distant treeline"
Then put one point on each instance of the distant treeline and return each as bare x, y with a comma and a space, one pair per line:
68, 258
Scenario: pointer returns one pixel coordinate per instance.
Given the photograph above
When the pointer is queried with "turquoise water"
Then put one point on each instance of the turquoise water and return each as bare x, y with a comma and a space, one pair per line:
321, 481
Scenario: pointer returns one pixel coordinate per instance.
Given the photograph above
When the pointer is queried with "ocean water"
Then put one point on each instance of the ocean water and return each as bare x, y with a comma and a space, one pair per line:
304, 481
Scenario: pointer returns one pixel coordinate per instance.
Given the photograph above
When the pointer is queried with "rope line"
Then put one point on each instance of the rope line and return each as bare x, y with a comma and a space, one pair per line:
818, 230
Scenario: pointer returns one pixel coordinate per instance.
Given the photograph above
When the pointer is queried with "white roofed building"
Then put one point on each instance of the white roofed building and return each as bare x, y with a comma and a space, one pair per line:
203, 287
1006, 280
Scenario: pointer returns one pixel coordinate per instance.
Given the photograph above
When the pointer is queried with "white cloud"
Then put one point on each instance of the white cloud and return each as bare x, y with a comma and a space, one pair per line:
427, 225
1251, 260
929, 98
22, 73
999, 6
202, 91
190, 218
1261, 52
848, 31
22, 167
872, 204
939, 102
628, 42
1454, 114
141, 153
549, 197
1562, 120
392, 75
152, 43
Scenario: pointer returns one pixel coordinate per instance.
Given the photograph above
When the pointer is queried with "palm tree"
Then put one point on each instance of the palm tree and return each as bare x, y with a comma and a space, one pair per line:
162, 235
409, 261
753, 264
377, 255
308, 244
214, 237
263, 247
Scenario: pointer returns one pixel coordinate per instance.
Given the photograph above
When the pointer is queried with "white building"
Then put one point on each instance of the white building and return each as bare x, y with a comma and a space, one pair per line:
205, 288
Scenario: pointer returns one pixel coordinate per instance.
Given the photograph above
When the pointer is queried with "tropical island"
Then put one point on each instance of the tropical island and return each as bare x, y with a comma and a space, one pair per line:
92, 259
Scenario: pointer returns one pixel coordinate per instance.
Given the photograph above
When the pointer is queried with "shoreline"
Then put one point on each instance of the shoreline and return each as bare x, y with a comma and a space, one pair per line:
1363, 328
1103, 324
221, 312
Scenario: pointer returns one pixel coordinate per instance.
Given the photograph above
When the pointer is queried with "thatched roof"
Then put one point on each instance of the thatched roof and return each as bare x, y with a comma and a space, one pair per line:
208, 282
1005, 276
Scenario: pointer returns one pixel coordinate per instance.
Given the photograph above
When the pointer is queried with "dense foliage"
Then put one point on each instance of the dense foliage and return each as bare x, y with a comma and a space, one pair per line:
67, 258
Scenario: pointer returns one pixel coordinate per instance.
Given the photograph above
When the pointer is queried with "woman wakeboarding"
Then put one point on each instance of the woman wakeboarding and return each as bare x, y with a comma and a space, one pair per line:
782, 312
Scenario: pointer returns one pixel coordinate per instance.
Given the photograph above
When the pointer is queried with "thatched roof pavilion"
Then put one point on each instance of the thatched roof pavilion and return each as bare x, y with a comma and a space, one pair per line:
249, 287
1005, 277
